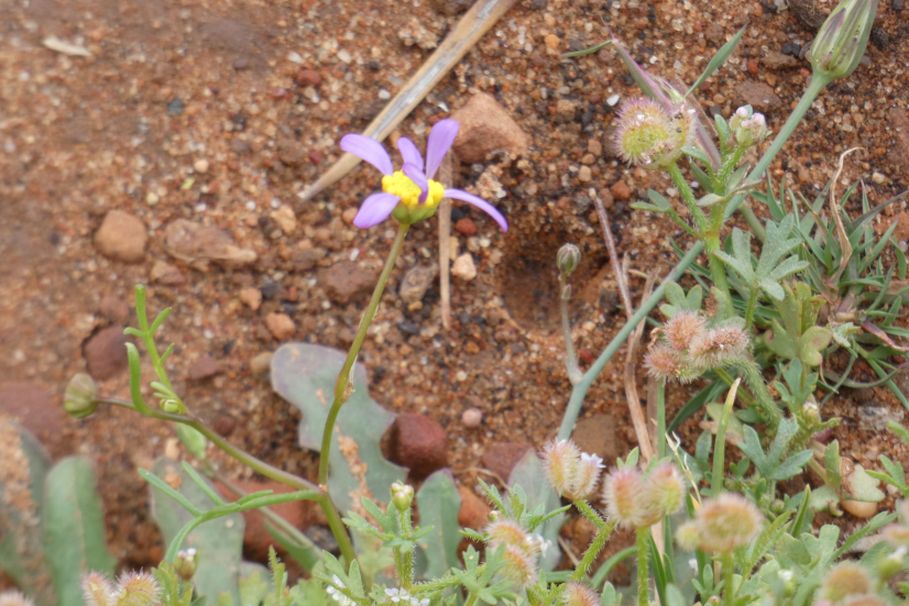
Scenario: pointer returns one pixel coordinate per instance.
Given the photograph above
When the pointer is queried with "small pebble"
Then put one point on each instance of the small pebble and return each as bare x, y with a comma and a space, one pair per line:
472, 417
201, 166
251, 297
260, 364
585, 174
280, 325
464, 268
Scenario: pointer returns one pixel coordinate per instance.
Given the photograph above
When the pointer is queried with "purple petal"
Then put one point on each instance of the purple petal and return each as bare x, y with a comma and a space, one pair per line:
441, 138
367, 148
410, 153
416, 175
375, 209
480, 203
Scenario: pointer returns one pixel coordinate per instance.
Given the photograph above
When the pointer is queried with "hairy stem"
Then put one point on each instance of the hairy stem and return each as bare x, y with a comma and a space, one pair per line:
580, 389
604, 531
728, 579
643, 553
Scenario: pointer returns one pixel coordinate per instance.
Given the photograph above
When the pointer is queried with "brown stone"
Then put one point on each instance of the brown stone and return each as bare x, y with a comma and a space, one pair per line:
200, 244
898, 126
596, 435
204, 368
251, 297
466, 227
347, 281
35, 408
280, 325
122, 237
419, 443
486, 127
501, 457
775, 60
474, 512
620, 191
758, 95
416, 282
115, 309
164, 273
105, 353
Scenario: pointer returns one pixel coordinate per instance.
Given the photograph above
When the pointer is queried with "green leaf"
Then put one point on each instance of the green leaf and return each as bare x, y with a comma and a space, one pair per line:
305, 375
528, 474
22, 555
74, 535
717, 60
863, 487
439, 502
218, 542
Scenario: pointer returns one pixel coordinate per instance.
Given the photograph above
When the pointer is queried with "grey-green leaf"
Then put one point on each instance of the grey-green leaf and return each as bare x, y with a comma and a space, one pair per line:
305, 375
74, 535
438, 502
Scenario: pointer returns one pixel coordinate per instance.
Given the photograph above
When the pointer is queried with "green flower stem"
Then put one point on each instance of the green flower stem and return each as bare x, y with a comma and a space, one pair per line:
404, 556
604, 531
728, 579
259, 466
750, 308
767, 407
343, 382
643, 551
580, 389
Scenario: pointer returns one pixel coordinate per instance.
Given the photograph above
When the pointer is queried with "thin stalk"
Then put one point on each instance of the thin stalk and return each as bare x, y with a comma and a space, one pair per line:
580, 389
643, 552
767, 408
593, 550
728, 579
571, 357
343, 382
661, 419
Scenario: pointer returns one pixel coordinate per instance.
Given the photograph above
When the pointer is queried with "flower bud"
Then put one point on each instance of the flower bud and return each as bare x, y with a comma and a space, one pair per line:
401, 496
748, 127
14, 598
97, 590
137, 589
688, 536
567, 259
573, 474
665, 489
842, 39
891, 565
186, 563
576, 594
682, 328
510, 533
726, 523
622, 493
663, 362
648, 134
845, 579
518, 567
80, 396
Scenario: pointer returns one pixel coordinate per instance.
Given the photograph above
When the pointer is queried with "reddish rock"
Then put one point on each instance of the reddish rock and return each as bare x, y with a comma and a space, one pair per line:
105, 353
486, 127
898, 123
419, 443
620, 191
474, 512
308, 77
758, 95
35, 408
122, 237
347, 281
501, 457
596, 435
466, 227
204, 368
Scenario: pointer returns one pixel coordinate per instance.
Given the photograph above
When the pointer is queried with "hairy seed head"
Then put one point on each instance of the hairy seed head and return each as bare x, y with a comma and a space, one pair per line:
847, 578
727, 522
576, 594
682, 328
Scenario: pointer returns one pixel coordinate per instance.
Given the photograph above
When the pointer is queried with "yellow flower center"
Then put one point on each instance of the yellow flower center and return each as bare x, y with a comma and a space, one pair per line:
403, 186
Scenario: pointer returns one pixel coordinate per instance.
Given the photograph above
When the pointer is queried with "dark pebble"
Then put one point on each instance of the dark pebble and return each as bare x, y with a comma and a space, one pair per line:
270, 289
792, 49
176, 106
409, 328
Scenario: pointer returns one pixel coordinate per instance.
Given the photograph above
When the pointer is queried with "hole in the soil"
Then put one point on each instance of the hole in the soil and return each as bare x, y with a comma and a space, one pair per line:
528, 280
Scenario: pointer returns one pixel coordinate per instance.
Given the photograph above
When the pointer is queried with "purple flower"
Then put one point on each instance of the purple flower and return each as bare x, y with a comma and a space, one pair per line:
411, 194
